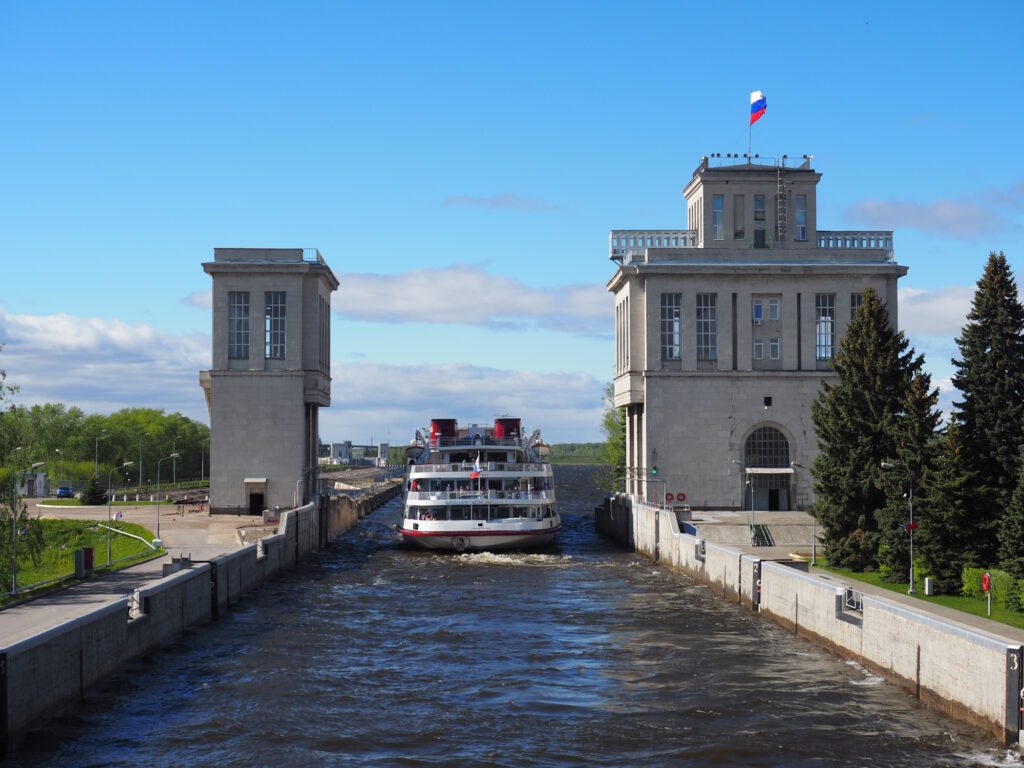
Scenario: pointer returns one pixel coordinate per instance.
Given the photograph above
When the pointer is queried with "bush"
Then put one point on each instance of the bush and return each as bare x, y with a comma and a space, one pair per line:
1006, 590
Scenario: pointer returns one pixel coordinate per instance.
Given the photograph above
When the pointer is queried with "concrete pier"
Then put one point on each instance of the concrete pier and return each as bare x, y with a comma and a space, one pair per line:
48, 668
969, 668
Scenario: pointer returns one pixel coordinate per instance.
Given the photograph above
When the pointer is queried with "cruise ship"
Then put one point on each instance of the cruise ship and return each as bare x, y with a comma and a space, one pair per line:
478, 488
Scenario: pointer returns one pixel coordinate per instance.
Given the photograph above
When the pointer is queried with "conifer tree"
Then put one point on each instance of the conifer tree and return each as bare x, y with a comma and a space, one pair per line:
990, 378
943, 513
94, 493
1011, 529
915, 448
855, 420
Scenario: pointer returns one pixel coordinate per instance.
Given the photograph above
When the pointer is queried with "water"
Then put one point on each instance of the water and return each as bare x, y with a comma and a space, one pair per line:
370, 654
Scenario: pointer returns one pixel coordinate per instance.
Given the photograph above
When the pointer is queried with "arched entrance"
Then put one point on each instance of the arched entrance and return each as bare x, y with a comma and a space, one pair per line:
766, 458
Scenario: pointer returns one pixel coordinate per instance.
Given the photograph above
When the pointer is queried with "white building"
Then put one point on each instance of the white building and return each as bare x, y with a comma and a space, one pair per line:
725, 331
270, 375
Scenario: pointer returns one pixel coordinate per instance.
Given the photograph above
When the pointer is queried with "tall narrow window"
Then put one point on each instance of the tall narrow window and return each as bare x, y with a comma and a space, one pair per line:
238, 325
758, 207
773, 348
718, 217
707, 328
773, 309
856, 299
801, 217
824, 325
738, 217
758, 313
758, 348
274, 325
670, 304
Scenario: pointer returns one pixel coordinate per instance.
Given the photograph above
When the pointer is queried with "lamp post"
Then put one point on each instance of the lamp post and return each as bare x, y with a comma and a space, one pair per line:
174, 455
14, 524
96, 458
157, 541
110, 501
910, 527
58, 450
747, 484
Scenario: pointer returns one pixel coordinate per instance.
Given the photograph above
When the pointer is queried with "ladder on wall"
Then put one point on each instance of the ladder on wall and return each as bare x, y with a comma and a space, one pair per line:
780, 207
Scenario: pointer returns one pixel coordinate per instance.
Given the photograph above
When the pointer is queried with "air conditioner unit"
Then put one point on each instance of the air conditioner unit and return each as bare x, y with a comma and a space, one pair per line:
757, 321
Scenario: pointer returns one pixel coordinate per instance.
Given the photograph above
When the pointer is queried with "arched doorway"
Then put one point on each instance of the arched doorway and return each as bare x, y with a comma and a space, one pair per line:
767, 449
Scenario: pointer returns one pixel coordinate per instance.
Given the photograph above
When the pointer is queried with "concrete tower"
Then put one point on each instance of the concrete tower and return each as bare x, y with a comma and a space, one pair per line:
269, 377
725, 331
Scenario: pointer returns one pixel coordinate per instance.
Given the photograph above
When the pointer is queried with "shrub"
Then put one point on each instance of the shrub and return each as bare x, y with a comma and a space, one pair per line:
1006, 591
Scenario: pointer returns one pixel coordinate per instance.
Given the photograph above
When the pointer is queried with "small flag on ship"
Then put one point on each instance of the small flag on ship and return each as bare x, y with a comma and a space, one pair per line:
476, 468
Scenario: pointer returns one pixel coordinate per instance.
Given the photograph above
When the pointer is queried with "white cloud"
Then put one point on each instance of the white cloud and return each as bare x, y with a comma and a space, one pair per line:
102, 365
939, 312
467, 295
959, 218
199, 299
503, 201
369, 398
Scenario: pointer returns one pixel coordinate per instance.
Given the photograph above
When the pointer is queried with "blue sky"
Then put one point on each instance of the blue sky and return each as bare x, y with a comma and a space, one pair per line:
459, 166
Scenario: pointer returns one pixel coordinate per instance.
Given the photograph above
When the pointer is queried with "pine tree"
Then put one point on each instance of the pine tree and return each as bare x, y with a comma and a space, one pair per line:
990, 378
1011, 529
942, 513
915, 448
855, 420
93, 493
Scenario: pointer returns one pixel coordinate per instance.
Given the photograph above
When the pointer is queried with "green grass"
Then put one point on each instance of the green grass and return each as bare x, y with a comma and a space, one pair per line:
972, 605
62, 537
78, 503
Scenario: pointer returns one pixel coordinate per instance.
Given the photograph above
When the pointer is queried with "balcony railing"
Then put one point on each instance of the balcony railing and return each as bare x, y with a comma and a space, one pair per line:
476, 441
480, 496
490, 466
631, 244
840, 240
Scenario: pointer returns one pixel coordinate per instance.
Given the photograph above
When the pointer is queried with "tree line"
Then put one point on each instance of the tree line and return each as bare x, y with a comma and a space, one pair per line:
74, 444
882, 446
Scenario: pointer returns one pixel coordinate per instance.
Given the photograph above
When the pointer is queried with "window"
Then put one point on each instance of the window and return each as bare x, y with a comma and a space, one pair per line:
274, 326
801, 217
670, 303
766, 447
717, 216
758, 207
824, 325
773, 349
773, 309
238, 325
856, 299
707, 327
738, 216
758, 311
758, 348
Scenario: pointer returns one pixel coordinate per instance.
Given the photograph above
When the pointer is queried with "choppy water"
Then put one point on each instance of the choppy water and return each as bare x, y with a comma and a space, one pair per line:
370, 654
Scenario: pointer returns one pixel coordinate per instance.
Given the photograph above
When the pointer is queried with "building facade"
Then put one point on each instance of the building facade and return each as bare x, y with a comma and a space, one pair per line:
725, 331
270, 375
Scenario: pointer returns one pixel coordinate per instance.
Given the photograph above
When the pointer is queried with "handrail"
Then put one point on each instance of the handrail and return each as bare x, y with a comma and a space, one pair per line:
480, 495
853, 600
494, 466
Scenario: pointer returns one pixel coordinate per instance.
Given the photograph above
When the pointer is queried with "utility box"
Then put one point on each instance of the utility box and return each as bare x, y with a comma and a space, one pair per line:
928, 588
79, 563
88, 555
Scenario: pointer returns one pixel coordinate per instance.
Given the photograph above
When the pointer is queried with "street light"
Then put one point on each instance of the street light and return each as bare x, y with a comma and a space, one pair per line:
110, 501
174, 455
911, 526
96, 458
14, 524
745, 486
57, 450
157, 541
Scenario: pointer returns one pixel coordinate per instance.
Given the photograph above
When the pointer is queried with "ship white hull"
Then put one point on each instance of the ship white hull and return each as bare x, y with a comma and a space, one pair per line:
481, 538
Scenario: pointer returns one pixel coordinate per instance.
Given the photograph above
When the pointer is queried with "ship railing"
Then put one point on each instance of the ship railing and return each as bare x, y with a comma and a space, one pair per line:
476, 441
490, 466
480, 495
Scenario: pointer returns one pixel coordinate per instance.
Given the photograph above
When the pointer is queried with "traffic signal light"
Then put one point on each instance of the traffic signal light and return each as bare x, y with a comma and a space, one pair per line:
654, 469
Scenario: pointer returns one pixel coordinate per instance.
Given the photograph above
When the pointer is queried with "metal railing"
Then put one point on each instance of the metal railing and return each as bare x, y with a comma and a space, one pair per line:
855, 240
480, 495
853, 600
632, 244
477, 441
491, 466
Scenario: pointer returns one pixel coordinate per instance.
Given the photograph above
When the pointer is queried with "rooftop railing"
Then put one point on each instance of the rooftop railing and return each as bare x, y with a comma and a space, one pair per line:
845, 239
631, 244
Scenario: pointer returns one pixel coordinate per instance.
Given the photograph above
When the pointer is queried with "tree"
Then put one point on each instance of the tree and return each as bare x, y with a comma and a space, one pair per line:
613, 424
915, 449
856, 422
94, 493
990, 378
1011, 529
943, 513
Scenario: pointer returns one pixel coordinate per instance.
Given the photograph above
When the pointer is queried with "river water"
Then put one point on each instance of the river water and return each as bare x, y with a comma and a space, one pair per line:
372, 654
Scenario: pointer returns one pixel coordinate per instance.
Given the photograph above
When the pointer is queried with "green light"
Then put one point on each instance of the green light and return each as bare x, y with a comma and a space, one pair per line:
654, 470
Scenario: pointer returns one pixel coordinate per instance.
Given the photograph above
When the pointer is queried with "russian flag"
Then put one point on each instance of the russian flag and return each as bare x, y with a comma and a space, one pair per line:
476, 468
758, 105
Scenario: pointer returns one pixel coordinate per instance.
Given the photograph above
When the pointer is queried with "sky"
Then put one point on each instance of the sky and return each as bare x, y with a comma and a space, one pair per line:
459, 166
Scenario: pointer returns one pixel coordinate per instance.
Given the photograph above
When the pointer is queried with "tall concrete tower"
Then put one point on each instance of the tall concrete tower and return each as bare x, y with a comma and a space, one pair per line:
268, 379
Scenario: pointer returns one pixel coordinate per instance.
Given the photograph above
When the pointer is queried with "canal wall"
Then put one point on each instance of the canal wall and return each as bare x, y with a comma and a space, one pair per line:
968, 674
43, 672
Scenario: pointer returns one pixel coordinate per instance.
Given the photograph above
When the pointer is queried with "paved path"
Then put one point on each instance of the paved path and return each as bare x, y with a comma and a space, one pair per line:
187, 533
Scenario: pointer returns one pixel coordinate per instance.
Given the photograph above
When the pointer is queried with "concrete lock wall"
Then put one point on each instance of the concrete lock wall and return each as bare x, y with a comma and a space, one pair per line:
43, 672
968, 674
